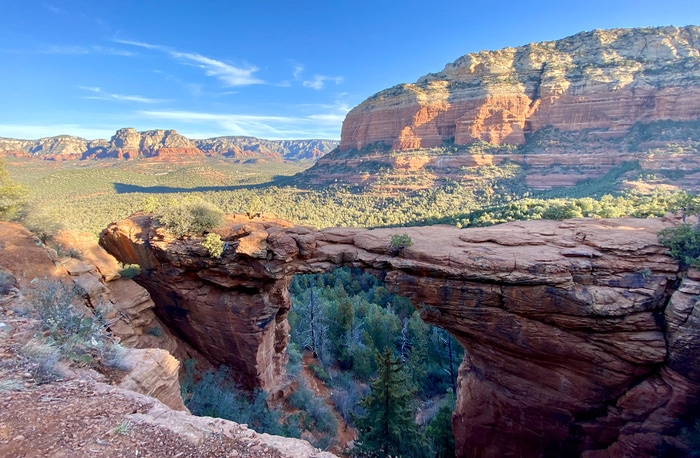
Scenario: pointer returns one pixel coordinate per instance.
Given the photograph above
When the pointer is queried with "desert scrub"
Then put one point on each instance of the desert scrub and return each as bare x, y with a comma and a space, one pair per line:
320, 373
213, 244
129, 270
12, 195
67, 332
114, 356
399, 242
214, 394
190, 216
11, 385
315, 415
7, 282
684, 243
43, 356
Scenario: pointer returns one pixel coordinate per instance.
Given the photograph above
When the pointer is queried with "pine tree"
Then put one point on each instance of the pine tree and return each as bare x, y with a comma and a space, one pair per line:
439, 431
388, 427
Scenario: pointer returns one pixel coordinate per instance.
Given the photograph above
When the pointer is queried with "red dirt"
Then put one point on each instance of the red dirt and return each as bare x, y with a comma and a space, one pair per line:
345, 434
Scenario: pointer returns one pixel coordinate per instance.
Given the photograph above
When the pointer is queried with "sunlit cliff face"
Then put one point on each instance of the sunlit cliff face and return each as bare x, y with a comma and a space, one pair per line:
601, 80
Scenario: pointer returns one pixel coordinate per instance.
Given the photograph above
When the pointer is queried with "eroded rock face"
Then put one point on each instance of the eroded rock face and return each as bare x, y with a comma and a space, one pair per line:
153, 372
572, 340
604, 80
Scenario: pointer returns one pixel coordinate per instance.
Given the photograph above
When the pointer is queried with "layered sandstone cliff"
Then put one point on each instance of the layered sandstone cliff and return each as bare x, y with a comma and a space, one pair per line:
605, 80
580, 335
127, 143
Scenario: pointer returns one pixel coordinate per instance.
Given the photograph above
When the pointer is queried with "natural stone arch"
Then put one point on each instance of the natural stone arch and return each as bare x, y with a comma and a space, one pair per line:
567, 325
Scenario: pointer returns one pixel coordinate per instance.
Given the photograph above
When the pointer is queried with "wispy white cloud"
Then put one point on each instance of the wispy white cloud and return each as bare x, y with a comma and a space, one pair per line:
319, 81
54, 9
82, 50
314, 125
112, 51
140, 44
102, 95
230, 75
69, 50
321, 121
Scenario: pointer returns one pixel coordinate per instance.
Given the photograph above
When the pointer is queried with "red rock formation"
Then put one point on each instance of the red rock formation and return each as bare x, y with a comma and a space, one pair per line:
18, 154
602, 80
21, 253
168, 145
153, 372
177, 154
571, 341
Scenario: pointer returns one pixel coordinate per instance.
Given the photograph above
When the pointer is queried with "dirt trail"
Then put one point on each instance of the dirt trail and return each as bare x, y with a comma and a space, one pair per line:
345, 434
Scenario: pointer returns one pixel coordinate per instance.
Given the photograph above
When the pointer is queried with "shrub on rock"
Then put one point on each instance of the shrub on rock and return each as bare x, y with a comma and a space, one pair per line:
190, 216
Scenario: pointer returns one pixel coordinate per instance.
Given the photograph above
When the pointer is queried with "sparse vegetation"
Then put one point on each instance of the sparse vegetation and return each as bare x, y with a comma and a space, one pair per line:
129, 270
12, 195
68, 333
684, 243
155, 331
11, 385
43, 357
213, 244
71, 330
315, 415
114, 356
190, 216
399, 242
216, 395
123, 427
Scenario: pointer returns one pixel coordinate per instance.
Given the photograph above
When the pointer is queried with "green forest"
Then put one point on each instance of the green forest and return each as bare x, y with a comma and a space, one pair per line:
97, 194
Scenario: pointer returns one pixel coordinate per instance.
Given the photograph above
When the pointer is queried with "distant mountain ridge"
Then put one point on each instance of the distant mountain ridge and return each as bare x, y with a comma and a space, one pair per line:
127, 143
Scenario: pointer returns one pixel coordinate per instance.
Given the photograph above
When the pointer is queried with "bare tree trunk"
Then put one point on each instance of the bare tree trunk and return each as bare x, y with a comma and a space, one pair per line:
453, 375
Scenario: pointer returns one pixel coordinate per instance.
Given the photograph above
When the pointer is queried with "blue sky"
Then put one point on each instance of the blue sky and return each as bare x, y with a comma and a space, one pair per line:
269, 69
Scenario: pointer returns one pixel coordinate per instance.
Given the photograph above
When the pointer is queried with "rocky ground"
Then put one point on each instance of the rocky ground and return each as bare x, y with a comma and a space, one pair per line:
70, 409
82, 414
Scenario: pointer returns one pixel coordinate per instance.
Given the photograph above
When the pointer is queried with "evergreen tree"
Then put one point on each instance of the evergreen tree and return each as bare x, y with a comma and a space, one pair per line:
439, 431
388, 427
